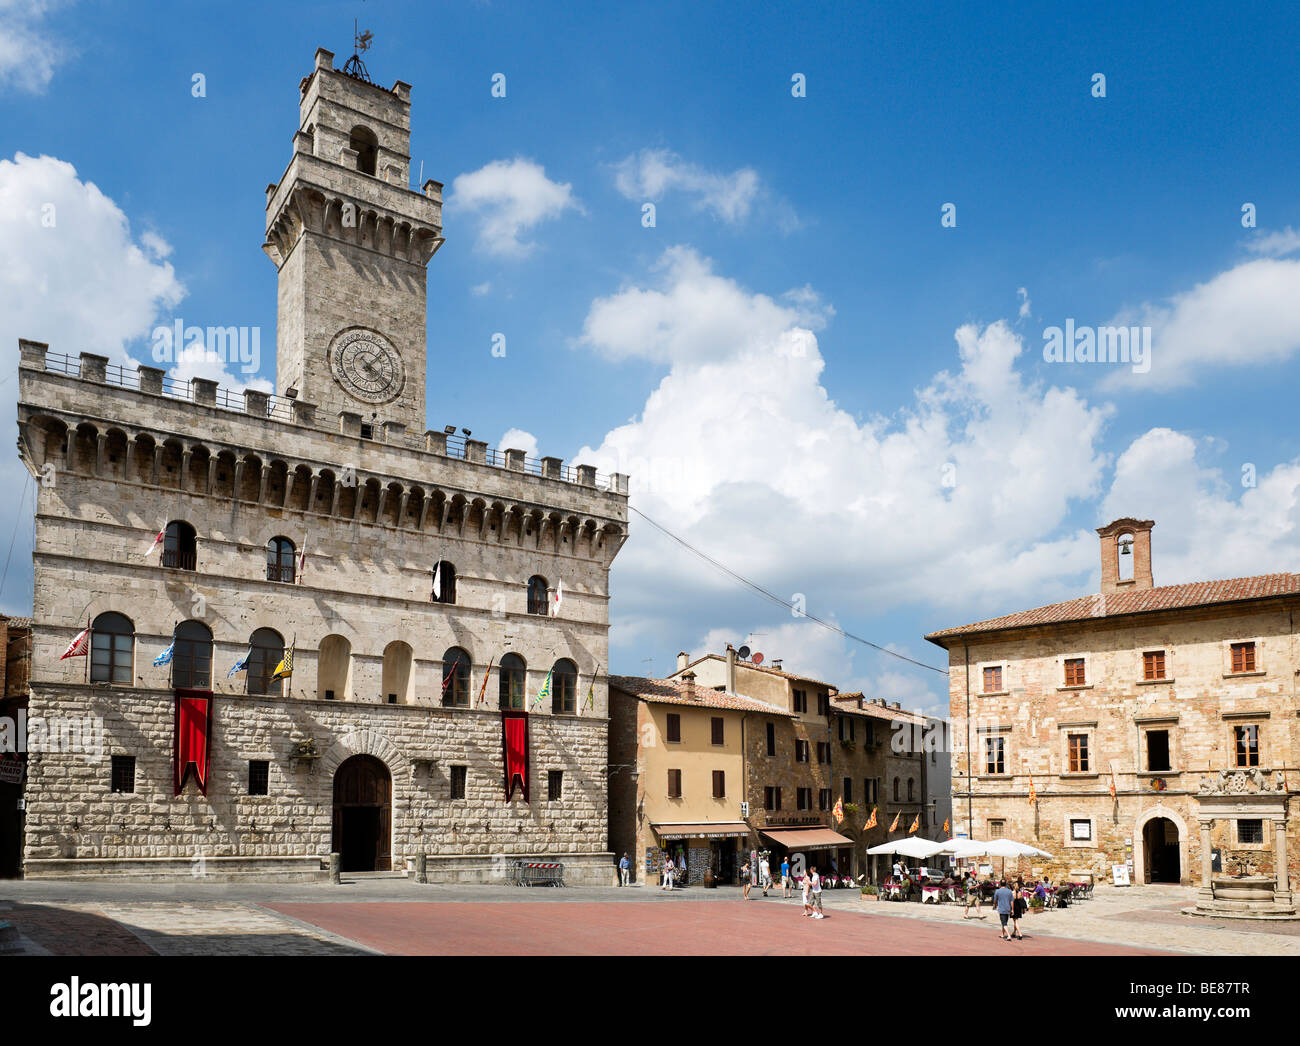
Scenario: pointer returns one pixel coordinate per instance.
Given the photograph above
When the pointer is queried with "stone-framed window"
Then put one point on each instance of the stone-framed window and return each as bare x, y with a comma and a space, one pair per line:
446, 575
1080, 831
122, 774
1077, 748
674, 784
992, 677
803, 798
1246, 741
259, 777
180, 549
554, 785
265, 652
800, 700
995, 754
1153, 666
1074, 671
512, 674
823, 751
455, 677
112, 649
771, 738
1157, 748
1242, 657
673, 728
280, 560
800, 751
192, 656
538, 591
719, 784
1249, 831
457, 781
823, 799
564, 687
997, 828
771, 798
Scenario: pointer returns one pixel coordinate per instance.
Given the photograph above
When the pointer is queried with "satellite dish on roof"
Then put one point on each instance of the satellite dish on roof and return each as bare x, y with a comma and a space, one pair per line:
758, 659
743, 653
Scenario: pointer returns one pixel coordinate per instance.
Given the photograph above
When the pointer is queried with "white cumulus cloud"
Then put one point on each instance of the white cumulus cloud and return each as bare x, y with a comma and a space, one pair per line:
29, 49
652, 174
509, 198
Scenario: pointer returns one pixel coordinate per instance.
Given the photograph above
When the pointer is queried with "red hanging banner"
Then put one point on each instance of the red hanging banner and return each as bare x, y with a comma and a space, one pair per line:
514, 747
193, 737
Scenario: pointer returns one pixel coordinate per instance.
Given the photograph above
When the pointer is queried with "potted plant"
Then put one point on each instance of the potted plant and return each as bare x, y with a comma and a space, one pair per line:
1035, 906
869, 890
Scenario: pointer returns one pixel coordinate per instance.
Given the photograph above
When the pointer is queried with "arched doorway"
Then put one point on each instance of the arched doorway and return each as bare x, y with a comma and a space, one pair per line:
363, 814
1161, 862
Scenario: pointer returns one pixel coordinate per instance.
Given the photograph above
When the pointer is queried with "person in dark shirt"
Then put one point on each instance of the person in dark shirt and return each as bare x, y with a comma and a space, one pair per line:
1004, 902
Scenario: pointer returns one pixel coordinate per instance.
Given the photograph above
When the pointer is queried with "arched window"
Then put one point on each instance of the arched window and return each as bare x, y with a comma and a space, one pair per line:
280, 560
564, 687
397, 672
446, 588
455, 678
537, 589
363, 140
1124, 557
895, 789
112, 649
910, 785
334, 669
267, 651
180, 546
192, 657
513, 675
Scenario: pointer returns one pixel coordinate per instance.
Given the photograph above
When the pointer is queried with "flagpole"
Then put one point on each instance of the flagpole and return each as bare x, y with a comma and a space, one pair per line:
90, 650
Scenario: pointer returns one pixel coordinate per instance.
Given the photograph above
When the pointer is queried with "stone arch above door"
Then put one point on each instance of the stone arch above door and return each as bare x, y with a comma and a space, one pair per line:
366, 742
1139, 844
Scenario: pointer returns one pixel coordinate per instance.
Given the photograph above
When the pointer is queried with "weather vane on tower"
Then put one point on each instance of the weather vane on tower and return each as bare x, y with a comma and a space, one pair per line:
361, 43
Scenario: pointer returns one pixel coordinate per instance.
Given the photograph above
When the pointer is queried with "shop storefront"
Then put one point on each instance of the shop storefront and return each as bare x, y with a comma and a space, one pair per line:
822, 848
699, 849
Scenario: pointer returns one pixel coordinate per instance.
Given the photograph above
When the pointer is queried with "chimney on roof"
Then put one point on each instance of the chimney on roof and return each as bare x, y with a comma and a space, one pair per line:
688, 683
683, 659
731, 669
896, 704
1126, 555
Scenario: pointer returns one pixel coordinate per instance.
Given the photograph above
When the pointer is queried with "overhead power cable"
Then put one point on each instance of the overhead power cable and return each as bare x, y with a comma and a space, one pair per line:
774, 598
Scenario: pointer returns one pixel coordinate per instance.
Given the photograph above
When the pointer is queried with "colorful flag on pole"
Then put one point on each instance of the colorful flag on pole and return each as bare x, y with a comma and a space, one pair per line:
1033, 795
871, 821
284, 669
165, 658
558, 598
946, 829
1112, 780
839, 809
156, 542
545, 691
916, 823
80, 646
437, 582
894, 827
482, 691
302, 561
591, 691
241, 665
450, 676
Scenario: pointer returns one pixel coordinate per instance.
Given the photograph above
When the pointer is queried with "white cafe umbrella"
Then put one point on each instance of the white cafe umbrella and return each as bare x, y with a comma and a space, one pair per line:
965, 848
916, 848
1011, 848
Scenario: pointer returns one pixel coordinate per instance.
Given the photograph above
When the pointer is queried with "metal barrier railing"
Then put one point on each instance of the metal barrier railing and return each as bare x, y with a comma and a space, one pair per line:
535, 873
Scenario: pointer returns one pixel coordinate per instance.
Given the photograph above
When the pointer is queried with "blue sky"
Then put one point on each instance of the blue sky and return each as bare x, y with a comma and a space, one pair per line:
814, 459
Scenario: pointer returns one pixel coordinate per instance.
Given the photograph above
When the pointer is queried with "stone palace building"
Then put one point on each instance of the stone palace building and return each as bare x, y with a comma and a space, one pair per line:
1155, 726
313, 525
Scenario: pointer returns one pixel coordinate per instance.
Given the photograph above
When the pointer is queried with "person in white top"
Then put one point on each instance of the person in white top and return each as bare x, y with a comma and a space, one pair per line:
816, 894
668, 874
765, 875
806, 884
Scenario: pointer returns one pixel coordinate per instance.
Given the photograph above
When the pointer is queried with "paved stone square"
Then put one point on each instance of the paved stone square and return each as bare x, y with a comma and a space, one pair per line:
393, 916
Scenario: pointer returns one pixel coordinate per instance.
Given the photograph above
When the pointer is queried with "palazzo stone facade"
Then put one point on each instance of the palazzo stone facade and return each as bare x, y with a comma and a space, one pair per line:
313, 522
1158, 727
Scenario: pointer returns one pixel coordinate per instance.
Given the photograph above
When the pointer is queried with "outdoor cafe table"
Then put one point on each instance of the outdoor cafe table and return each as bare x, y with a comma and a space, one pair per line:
931, 893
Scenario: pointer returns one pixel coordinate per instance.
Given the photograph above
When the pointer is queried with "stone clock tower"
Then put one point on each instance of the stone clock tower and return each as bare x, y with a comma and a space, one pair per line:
351, 242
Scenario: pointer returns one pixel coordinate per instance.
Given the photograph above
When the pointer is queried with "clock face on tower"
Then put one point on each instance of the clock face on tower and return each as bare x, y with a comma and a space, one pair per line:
365, 363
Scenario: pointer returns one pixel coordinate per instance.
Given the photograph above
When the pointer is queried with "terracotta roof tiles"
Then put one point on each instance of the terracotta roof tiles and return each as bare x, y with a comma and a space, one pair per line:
673, 692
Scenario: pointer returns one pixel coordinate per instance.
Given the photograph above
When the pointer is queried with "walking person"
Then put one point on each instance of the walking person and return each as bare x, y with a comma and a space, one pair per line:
972, 885
744, 882
1018, 908
816, 894
805, 885
668, 874
765, 874
1004, 902
785, 876
624, 870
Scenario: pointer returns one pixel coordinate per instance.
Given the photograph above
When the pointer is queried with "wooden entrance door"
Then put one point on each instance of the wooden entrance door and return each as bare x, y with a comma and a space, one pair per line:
363, 815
